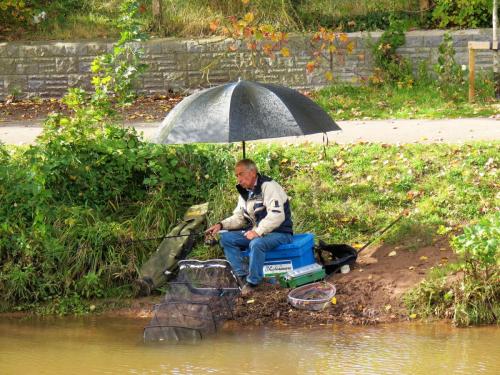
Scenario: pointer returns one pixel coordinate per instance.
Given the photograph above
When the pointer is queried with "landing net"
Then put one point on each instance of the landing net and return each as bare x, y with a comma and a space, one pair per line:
196, 303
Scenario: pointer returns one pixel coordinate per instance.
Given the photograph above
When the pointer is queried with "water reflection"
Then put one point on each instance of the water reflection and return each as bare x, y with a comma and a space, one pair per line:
114, 346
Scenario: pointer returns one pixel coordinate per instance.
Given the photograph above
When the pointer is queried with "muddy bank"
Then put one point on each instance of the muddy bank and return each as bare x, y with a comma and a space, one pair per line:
369, 294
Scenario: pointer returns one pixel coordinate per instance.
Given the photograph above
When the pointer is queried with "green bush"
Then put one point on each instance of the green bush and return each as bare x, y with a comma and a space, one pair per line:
470, 292
451, 79
390, 67
89, 188
15, 13
462, 13
479, 245
80, 201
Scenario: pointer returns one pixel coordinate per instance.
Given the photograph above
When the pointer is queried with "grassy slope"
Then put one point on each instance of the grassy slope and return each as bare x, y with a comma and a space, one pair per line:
94, 19
345, 102
344, 198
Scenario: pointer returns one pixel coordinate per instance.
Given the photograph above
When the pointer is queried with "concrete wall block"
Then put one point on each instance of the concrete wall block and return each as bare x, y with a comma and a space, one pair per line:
173, 45
57, 83
72, 49
461, 40
174, 77
181, 61
63, 49
26, 67
433, 41
414, 42
150, 58
166, 65
153, 85
66, 65
35, 50
46, 66
79, 80
11, 49
15, 84
153, 47
234, 64
84, 64
221, 46
270, 77
36, 84
417, 55
8, 66
462, 58
217, 73
97, 48
153, 80
194, 46
196, 80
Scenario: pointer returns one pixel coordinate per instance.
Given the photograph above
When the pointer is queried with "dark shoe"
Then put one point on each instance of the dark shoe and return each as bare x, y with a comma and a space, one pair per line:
242, 280
248, 290
143, 287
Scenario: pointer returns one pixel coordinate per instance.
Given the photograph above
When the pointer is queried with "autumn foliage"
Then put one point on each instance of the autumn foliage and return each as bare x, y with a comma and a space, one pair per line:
327, 46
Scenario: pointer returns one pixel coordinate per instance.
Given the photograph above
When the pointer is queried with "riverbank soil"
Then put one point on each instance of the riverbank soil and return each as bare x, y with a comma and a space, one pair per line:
148, 108
370, 293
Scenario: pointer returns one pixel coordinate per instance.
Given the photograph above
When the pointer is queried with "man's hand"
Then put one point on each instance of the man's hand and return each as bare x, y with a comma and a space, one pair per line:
213, 230
251, 234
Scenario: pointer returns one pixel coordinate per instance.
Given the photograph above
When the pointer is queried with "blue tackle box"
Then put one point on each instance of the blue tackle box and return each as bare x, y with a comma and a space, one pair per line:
290, 256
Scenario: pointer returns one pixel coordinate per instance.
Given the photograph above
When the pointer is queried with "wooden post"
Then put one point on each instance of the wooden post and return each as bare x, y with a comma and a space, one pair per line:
472, 63
473, 46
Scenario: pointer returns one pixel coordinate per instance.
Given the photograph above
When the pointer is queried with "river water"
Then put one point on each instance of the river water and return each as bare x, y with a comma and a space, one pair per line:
99, 345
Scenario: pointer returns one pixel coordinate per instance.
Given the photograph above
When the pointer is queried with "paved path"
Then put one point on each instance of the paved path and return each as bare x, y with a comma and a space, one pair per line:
381, 131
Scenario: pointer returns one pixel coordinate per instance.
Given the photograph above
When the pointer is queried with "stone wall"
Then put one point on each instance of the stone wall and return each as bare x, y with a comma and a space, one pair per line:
48, 69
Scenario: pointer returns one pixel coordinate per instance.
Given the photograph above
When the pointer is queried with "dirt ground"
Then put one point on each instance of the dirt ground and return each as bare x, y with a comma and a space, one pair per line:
151, 108
370, 293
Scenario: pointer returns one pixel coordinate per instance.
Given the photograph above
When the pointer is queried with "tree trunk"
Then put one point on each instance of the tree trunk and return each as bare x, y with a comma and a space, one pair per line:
157, 14
496, 58
424, 7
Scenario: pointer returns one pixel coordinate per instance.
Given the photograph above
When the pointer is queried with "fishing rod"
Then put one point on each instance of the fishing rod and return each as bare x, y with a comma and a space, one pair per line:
163, 237
377, 235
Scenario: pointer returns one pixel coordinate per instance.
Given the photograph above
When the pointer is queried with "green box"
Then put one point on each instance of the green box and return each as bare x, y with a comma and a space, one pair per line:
302, 279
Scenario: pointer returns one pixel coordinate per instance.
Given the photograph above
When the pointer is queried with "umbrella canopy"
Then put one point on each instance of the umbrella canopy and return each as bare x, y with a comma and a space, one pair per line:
243, 111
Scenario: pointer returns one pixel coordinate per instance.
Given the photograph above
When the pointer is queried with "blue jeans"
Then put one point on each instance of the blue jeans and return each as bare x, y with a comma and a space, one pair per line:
234, 242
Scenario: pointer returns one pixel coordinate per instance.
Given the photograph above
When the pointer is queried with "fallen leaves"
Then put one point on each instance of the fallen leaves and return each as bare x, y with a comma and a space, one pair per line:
150, 108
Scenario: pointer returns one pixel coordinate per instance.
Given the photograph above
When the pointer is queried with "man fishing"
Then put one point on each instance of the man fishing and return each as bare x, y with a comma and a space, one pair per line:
261, 222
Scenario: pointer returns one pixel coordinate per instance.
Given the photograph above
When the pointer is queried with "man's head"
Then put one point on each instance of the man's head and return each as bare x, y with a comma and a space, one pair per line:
246, 173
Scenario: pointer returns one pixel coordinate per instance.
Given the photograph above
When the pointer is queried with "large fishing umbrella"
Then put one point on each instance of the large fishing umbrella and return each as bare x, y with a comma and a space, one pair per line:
243, 111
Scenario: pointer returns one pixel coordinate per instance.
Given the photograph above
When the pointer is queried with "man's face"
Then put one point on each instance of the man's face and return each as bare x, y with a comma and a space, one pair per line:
246, 177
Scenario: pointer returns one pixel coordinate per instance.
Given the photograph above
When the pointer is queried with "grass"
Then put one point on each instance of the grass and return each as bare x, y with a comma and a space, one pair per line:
422, 101
450, 293
61, 245
90, 19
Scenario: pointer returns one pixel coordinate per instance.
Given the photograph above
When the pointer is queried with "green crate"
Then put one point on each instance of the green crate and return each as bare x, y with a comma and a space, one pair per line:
301, 276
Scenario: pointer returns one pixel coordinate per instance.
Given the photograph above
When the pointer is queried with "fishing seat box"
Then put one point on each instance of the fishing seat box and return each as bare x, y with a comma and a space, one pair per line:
290, 256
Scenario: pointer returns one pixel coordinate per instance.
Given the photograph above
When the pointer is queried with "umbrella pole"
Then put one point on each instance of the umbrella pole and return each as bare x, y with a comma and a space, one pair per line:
244, 151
